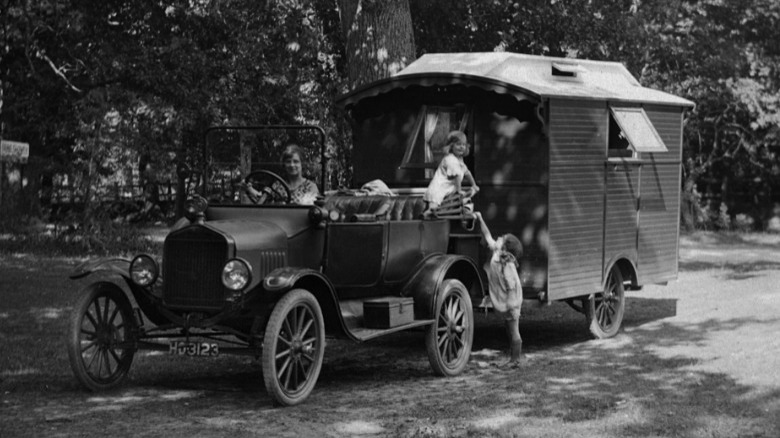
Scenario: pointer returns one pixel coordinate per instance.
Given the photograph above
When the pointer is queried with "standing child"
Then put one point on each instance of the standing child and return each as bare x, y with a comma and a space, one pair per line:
506, 292
450, 174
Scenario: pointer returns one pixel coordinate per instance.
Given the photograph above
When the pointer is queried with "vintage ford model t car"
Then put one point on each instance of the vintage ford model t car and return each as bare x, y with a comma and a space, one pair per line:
274, 279
574, 157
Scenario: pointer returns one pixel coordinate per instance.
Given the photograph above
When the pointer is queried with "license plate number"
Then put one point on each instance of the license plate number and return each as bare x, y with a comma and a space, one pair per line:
181, 348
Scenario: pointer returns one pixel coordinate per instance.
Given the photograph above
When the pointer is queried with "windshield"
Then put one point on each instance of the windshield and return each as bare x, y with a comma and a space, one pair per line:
270, 156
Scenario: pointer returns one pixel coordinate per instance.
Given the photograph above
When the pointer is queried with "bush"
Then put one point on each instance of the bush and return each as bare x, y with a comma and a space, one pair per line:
69, 237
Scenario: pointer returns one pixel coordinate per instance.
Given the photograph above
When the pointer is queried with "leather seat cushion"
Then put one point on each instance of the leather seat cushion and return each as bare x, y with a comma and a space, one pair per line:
394, 208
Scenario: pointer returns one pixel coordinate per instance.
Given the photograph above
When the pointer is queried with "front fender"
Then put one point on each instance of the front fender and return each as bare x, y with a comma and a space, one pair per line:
146, 300
424, 284
115, 265
281, 280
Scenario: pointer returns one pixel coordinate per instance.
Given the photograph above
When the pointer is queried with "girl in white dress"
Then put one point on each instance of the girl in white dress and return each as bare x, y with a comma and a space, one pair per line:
450, 174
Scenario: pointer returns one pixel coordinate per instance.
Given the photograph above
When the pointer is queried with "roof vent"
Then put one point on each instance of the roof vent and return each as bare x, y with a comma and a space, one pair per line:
567, 70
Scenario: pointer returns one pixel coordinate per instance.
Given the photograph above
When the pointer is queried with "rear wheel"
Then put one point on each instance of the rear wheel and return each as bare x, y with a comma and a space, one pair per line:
100, 338
293, 348
604, 310
448, 341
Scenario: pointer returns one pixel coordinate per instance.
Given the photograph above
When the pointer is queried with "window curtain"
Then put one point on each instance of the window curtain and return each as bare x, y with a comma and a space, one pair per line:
431, 119
413, 138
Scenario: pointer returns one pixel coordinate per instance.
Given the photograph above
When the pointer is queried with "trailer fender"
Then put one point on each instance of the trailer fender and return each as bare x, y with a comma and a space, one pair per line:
627, 267
282, 280
424, 284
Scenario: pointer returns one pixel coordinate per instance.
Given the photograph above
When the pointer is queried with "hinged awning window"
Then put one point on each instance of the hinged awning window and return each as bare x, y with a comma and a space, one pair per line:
638, 129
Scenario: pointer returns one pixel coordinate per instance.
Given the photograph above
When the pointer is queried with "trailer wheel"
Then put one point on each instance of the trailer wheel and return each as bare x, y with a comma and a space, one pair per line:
448, 340
293, 348
604, 310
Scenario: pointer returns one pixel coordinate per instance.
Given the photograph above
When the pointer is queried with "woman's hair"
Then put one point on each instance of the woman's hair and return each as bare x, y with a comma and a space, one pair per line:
513, 246
291, 150
456, 137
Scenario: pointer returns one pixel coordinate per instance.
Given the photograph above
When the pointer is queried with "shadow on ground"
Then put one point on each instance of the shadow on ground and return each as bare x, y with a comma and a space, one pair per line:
568, 385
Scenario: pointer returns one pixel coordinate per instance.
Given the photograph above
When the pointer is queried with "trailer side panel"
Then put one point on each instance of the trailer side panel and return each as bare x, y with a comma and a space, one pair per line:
577, 133
659, 215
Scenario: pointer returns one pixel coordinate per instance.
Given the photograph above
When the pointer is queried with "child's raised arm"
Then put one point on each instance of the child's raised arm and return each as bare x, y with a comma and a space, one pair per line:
485, 231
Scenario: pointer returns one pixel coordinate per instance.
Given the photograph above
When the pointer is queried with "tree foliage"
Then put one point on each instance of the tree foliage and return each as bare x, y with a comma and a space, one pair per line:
98, 88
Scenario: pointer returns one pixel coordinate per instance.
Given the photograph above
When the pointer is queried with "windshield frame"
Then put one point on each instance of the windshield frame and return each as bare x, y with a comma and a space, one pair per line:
207, 147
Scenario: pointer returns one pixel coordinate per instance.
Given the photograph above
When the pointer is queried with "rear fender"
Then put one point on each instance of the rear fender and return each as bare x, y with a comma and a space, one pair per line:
281, 280
424, 284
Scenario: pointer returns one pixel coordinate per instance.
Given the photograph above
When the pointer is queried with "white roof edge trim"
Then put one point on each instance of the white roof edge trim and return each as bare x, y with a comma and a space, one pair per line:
638, 129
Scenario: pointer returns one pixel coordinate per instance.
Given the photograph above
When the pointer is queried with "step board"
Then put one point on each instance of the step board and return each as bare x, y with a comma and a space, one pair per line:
365, 334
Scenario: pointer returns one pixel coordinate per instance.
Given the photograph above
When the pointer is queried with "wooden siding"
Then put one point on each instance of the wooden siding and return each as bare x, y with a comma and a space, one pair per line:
659, 215
621, 213
577, 136
668, 122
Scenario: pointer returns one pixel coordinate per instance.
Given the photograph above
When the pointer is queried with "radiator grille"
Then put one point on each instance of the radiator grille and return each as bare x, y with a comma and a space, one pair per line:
193, 261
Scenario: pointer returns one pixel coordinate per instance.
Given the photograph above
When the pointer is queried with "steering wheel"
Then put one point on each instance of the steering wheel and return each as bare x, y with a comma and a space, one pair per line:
263, 182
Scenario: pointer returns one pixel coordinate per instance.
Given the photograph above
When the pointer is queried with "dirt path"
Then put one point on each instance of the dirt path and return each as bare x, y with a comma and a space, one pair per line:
698, 357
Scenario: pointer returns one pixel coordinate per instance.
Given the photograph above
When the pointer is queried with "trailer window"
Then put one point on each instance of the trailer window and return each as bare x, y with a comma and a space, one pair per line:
631, 131
424, 149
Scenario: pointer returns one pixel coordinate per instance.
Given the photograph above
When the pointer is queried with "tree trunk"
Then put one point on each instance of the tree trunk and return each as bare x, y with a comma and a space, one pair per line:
379, 38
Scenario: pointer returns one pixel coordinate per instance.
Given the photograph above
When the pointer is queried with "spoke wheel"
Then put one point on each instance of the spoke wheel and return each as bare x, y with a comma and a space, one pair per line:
448, 341
604, 310
101, 337
293, 348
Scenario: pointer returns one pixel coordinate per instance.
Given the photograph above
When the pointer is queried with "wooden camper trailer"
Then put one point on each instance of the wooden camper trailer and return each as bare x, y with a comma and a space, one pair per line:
573, 156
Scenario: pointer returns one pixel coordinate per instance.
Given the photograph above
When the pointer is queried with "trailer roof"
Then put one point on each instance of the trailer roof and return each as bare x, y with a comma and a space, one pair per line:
535, 76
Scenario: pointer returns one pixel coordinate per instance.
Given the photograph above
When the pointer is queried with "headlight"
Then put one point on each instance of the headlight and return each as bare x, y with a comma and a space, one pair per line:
144, 270
236, 274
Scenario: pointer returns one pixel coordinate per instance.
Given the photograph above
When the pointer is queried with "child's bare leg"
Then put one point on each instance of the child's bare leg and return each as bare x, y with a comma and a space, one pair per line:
515, 341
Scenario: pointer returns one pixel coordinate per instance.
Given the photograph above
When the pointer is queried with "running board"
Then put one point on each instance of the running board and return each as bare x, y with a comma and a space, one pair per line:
364, 334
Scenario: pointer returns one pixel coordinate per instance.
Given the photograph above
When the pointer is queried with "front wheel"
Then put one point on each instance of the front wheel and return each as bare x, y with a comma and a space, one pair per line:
293, 348
101, 337
604, 310
448, 341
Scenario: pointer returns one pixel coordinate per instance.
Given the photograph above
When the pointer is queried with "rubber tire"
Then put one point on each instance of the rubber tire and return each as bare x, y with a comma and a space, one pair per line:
461, 329
280, 392
605, 316
108, 298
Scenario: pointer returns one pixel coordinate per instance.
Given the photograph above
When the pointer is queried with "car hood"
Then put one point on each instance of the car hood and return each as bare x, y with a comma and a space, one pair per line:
262, 244
251, 234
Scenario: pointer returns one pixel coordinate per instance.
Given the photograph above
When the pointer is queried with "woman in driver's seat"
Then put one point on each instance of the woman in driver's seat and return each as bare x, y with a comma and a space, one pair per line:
302, 191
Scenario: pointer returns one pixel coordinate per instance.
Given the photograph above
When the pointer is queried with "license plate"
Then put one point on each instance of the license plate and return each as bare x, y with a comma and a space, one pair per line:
181, 348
